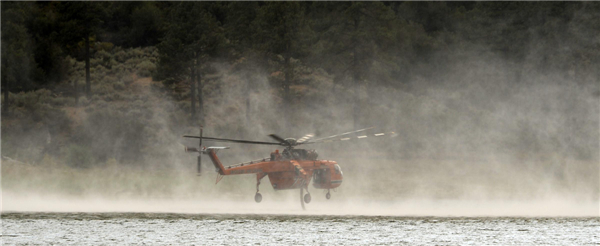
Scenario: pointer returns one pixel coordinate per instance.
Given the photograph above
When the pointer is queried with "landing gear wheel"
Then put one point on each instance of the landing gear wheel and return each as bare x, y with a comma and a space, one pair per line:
328, 195
307, 198
258, 197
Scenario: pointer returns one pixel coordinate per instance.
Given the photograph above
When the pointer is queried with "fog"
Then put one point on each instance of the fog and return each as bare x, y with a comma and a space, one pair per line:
472, 143
477, 136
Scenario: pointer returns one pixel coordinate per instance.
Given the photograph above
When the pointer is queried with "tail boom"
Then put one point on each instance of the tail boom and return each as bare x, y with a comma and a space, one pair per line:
215, 160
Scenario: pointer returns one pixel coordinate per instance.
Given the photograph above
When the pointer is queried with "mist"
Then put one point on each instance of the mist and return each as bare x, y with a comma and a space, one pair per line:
484, 142
478, 134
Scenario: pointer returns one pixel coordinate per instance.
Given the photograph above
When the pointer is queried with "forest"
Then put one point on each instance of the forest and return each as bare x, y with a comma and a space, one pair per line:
91, 83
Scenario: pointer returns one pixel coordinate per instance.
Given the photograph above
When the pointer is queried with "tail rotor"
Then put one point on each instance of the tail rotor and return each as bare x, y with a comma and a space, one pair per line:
204, 150
198, 150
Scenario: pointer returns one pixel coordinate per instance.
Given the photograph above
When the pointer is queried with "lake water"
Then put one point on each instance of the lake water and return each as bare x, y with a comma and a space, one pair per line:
279, 229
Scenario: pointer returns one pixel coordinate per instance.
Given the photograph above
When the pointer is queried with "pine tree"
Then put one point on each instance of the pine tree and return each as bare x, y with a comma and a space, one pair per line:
193, 34
281, 30
80, 21
356, 35
18, 63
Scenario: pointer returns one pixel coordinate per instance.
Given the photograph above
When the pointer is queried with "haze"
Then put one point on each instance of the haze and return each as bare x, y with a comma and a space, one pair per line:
481, 131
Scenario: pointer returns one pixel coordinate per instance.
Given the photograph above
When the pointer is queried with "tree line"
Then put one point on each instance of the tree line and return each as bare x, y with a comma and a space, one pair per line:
361, 44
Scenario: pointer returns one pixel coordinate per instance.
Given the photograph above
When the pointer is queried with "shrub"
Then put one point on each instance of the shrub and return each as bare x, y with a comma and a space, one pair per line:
70, 101
100, 104
59, 101
119, 85
154, 54
93, 63
123, 96
80, 83
109, 79
113, 63
70, 61
137, 52
83, 101
150, 51
103, 89
103, 55
99, 72
105, 61
95, 98
146, 69
109, 97
30, 100
127, 79
120, 70
132, 63
120, 56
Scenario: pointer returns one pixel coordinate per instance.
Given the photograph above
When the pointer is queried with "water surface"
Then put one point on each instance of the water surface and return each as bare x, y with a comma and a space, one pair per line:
261, 229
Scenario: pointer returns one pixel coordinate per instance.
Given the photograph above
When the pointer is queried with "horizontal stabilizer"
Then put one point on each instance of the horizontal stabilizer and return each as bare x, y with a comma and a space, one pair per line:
191, 149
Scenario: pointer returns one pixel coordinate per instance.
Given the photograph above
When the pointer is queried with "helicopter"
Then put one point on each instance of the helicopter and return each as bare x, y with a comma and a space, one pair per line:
293, 168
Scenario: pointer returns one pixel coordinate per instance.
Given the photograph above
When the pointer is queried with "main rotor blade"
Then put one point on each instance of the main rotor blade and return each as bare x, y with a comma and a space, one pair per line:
388, 134
305, 138
338, 135
279, 139
232, 140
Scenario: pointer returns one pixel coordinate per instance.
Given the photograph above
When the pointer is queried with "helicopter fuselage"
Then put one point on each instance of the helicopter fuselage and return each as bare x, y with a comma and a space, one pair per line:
286, 174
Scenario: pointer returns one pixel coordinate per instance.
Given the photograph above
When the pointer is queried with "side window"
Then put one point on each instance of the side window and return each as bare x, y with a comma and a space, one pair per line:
337, 169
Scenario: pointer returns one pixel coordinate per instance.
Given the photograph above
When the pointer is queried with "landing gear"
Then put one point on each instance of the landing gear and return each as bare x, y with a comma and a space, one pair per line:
307, 198
258, 197
328, 195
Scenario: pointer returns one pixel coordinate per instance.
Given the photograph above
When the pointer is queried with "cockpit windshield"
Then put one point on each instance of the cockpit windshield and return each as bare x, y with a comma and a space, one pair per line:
338, 169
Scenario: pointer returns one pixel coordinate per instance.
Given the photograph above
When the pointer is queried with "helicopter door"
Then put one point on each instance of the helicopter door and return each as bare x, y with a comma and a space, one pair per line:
321, 178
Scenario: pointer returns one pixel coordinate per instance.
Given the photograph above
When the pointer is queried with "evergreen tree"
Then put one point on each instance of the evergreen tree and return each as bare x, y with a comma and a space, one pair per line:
47, 49
357, 34
80, 21
17, 58
193, 34
239, 31
281, 30
134, 24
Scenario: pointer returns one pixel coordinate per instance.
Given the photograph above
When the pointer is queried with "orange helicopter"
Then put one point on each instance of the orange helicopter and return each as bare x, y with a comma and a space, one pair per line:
291, 169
